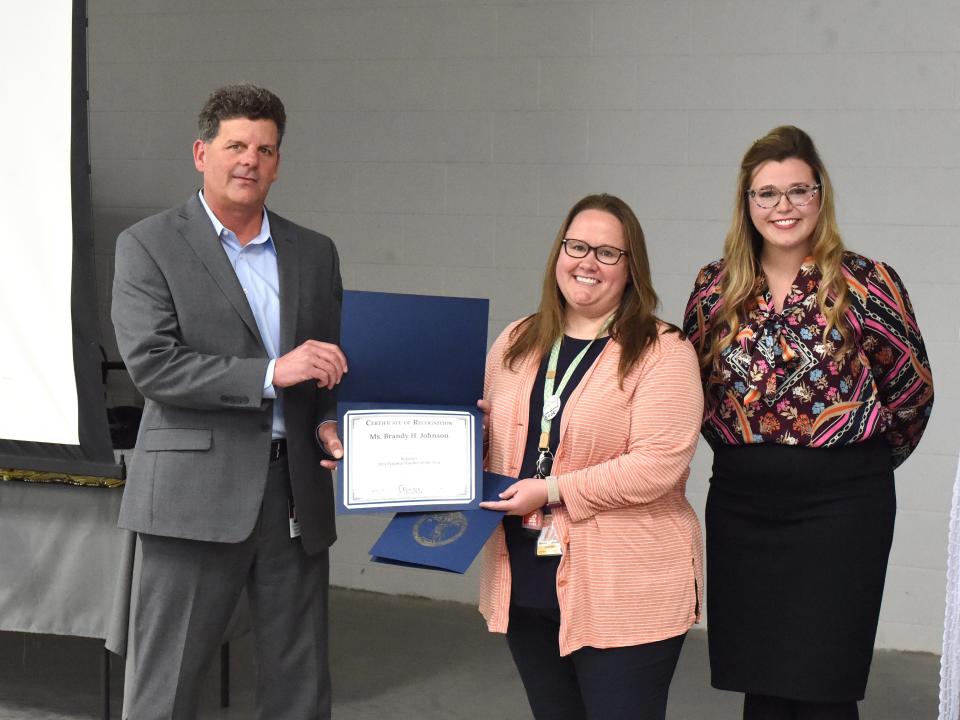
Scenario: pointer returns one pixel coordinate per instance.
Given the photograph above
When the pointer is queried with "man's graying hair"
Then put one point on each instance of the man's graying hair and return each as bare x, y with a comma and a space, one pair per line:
240, 101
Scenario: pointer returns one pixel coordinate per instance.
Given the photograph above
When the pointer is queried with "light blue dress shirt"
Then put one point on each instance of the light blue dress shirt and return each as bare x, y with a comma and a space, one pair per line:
256, 266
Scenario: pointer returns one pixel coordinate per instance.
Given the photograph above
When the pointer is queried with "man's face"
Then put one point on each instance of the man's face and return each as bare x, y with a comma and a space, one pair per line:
239, 165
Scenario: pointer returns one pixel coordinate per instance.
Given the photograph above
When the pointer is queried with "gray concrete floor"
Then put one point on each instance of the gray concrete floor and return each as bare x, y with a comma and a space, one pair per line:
398, 658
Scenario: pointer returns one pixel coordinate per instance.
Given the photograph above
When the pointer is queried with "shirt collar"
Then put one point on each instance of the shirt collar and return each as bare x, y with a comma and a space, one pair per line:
262, 237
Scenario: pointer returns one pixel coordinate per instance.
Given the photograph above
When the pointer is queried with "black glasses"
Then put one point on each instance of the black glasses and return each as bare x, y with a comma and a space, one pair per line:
769, 197
605, 253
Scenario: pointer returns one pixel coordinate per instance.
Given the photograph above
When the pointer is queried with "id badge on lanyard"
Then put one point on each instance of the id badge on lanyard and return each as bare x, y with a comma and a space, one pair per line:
540, 520
548, 541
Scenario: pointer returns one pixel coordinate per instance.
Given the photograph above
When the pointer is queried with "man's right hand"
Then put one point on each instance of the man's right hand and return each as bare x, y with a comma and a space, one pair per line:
313, 360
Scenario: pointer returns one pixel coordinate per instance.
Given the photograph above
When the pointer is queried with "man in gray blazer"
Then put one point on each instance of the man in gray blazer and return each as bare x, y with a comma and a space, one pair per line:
228, 318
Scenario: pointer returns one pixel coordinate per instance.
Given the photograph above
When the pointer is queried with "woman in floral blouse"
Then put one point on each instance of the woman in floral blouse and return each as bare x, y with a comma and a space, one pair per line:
817, 385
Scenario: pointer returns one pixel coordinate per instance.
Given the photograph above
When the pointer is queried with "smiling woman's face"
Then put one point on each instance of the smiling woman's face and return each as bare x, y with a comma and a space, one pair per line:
591, 289
785, 227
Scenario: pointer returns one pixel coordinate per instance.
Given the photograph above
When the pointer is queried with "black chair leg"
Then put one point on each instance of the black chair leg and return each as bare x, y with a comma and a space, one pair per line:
225, 675
105, 682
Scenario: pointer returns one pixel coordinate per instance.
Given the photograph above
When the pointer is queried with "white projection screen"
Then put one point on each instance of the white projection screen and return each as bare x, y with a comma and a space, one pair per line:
52, 414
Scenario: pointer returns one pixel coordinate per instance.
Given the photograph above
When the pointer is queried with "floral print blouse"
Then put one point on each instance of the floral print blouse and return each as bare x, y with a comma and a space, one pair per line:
779, 381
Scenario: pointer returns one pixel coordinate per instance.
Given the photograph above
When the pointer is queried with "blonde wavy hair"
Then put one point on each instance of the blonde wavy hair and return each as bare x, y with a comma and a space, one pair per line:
741, 251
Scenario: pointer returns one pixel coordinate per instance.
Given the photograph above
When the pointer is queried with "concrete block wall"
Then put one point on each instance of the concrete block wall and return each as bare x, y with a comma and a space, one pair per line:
440, 142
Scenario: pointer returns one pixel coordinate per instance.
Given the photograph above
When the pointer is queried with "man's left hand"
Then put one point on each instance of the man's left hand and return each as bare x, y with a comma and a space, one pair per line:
330, 442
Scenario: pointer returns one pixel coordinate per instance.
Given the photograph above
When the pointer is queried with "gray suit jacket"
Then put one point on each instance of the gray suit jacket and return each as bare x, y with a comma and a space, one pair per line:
192, 347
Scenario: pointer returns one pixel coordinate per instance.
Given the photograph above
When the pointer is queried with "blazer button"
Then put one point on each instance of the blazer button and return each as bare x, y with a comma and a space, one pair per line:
266, 428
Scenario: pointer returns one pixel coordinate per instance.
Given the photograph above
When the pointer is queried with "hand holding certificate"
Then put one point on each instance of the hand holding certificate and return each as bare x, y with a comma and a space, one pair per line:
413, 437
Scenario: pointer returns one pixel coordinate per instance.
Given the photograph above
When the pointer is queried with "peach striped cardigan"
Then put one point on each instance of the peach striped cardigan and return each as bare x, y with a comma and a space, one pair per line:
632, 568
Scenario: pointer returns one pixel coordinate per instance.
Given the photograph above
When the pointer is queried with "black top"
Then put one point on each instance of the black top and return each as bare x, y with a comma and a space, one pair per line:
534, 579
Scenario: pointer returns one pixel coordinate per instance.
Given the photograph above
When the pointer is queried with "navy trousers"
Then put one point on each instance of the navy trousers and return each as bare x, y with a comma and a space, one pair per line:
589, 684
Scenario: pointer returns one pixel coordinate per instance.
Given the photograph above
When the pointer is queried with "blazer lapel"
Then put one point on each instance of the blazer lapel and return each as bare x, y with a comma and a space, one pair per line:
199, 234
288, 266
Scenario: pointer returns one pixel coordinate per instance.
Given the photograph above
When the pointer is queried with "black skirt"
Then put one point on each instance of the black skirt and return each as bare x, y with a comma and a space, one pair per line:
797, 547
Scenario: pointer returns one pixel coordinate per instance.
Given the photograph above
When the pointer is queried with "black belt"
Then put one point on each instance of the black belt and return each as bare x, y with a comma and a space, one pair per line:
278, 448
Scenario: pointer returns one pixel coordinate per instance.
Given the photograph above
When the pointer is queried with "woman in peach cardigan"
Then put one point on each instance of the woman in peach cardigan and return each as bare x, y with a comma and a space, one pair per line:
595, 575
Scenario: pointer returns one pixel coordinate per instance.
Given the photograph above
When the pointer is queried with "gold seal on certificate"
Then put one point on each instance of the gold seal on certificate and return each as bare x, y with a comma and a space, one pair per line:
409, 458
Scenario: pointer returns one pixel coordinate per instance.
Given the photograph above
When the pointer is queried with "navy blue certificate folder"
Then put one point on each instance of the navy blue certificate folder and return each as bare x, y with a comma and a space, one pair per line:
420, 349
412, 353
447, 541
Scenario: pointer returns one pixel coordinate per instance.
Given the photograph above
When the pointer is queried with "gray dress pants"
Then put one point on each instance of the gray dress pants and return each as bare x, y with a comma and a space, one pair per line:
188, 590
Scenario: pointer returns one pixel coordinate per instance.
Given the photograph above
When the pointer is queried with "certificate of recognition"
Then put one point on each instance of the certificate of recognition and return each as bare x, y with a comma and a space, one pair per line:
412, 433
406, 458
